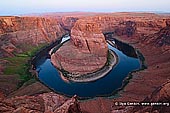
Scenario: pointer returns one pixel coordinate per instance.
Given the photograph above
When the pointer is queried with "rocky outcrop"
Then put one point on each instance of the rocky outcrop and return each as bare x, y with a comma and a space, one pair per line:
42, 103
158, 100
29, 89
3, 64
18, 34
161, 38
86, 52
8, 83
129, 29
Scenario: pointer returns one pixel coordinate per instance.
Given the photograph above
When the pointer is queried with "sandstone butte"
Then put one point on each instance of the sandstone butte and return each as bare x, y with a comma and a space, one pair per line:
86, 52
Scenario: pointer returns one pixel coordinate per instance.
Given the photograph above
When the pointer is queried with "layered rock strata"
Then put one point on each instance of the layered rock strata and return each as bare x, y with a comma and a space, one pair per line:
159, 101
19, 34
143, 83
86, 52
42, 103
122, 23
160, 38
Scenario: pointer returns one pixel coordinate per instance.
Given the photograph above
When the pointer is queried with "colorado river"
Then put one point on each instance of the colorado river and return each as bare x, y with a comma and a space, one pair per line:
106, 85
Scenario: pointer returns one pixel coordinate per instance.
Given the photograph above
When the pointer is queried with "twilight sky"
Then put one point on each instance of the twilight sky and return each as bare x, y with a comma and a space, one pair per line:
15, 7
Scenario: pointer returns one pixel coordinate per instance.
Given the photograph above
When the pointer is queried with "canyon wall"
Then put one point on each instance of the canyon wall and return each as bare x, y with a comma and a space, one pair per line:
68, 22
160, 38
122, 23
18, 34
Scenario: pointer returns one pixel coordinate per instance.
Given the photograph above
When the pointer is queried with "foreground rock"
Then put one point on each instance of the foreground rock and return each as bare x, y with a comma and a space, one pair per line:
8, 83
160, 99
86, 52
43, 103
30, 89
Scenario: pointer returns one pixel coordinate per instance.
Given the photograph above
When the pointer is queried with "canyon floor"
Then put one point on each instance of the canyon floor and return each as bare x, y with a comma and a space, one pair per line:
147, 32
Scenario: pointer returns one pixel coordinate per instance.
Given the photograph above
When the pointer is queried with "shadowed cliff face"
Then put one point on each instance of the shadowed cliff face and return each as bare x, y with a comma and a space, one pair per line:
68, 22
160, 38
18, 34
126, 49
128, 28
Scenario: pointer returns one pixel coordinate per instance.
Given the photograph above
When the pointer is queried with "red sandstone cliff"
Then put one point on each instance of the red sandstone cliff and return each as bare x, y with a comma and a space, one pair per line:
122, 23
160, 38
18, 34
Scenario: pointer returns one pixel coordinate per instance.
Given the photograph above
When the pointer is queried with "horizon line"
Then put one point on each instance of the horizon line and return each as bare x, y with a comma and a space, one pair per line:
38, 13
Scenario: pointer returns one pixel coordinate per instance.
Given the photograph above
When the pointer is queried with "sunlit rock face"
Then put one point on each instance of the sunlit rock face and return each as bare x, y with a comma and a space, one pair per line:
86, 52
127, 24
20, 34
87, 37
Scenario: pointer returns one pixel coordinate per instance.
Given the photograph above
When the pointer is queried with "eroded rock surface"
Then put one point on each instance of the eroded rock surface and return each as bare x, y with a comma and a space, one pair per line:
18, 34
160, 38
159, 99
86, 52
42, 103
123, 23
